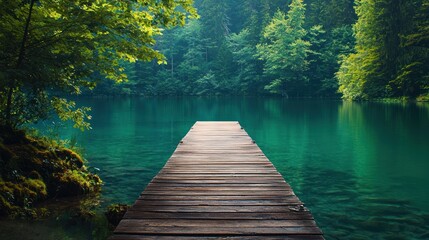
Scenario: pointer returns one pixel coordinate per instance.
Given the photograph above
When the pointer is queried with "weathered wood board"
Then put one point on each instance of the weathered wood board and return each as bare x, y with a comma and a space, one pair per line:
218, 184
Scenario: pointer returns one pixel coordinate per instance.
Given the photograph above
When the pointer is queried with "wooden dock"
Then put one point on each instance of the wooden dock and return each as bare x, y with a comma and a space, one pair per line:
218, 184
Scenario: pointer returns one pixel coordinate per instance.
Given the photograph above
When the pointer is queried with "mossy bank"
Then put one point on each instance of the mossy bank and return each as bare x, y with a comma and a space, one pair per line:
34, 169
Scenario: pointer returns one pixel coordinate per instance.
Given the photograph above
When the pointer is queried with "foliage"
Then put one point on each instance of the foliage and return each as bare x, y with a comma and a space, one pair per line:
115, 212
391, 53
207, 85
362, 49
360, 75
223, 43
285, 50
412, 78
330, 13
52, 47
244, 55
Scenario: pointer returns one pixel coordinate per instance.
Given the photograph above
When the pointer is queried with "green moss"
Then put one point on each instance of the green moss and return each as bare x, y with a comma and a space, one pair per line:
115, 212
423, 98
36, 187
31, 170
74, 182
70, 157
5, 207
22, 193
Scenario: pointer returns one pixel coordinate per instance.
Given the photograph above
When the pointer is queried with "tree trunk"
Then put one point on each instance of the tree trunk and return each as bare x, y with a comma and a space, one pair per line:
12, 84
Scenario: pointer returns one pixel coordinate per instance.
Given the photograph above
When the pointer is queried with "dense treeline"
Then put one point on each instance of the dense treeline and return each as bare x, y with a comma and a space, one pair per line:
360, 49
357, 49
249, 47
391, 57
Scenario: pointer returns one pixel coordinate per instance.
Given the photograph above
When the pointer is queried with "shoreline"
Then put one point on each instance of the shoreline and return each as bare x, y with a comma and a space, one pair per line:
36, 169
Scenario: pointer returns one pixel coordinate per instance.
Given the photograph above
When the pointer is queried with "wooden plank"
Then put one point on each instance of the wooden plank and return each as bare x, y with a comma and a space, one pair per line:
190, 202
218, 184
127, 223
211, 197
231, 176
226, 184
222, 166
242, 237
131, 214
216, 189
211, 209
200, 180
215, 170
219, 193
224, 174
216, 231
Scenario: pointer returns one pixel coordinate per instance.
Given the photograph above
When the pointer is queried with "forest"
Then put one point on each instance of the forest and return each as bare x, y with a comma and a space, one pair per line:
350, 49
357, 50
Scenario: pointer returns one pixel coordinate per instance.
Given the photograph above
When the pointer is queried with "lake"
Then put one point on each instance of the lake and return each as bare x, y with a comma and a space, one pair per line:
361, 168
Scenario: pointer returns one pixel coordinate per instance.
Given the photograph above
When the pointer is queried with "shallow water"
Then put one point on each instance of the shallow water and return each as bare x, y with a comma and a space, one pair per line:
361, 168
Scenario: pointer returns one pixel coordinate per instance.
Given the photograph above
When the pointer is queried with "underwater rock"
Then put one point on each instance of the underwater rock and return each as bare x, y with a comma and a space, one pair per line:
115, 212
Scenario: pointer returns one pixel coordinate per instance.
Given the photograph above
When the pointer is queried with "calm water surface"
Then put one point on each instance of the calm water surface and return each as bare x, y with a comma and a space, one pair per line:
361, 168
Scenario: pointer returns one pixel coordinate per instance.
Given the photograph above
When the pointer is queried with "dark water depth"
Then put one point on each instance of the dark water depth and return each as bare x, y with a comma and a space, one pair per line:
361, 168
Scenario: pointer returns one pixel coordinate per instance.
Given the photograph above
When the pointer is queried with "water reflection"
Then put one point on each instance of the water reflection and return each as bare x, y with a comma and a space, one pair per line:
360, 167
346, 209
71, 218
377, 143
389, 145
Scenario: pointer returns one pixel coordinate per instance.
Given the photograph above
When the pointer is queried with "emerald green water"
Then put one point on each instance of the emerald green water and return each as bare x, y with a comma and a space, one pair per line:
361, 168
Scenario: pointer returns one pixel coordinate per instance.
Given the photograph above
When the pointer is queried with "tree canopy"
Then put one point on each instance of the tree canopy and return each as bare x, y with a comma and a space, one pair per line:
255, 47
285, 50
50, 48
355, 49
390, 57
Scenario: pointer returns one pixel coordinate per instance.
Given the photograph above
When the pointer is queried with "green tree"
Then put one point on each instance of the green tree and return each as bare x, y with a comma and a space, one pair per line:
244, 55
330, 14
361, 75
285, 51
390, 53
193, 63
318, 68
215, 25
412, 78
51, 48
